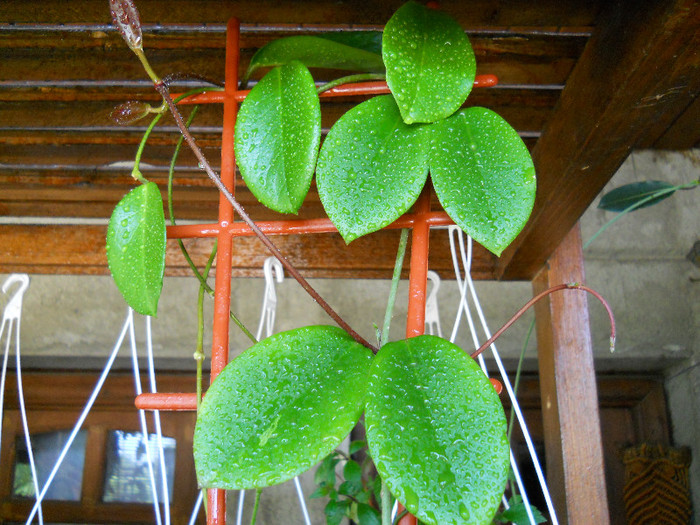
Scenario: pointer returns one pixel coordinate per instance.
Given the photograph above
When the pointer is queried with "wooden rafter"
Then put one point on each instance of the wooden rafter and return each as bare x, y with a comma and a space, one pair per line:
637, 75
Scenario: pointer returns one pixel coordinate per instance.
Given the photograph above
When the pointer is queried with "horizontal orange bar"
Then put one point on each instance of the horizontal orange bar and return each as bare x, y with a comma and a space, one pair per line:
166, 401
358, 88
295, 227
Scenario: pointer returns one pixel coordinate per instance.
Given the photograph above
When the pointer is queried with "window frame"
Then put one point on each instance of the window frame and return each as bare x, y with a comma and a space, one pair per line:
54, 402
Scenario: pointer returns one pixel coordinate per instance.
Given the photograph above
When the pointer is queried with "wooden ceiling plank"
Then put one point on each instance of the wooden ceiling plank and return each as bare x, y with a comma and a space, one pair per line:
88, 121
530, 59
635, 77
77, 249
478, 13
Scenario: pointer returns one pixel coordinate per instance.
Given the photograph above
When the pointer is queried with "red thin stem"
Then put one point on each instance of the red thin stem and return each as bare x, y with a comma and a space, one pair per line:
541, 295
165, 93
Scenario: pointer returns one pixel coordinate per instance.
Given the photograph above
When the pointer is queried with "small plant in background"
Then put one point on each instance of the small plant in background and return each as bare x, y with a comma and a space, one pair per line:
353, 489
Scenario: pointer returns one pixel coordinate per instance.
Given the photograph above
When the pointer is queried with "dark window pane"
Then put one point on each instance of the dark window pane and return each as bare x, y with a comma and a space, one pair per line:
127, 477
67, 484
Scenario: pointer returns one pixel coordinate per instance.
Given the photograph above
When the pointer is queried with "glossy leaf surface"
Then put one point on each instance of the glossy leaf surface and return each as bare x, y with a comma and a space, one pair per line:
314, 51
628, 195
371, 168
430, 64
436, 431
278, 132
280, 407
483, 176
136, 247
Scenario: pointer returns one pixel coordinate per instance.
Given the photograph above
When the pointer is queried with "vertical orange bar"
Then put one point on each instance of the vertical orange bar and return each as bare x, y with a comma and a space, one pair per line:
222, 294
417, 284
418, 277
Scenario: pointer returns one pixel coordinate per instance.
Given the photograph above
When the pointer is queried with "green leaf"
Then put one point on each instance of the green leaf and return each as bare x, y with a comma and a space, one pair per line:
322, 492
370, 41
350, 488
436, 431
356, 446
278, 132
430, 65
371, 168
325, 473
136, 247
517, 513
314, 51
483, 176
368, 515
628, 195
352, 471
279, 408
336, 511
363, 496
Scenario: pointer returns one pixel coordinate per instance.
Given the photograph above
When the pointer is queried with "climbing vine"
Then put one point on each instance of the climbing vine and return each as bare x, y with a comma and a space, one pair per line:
435, 427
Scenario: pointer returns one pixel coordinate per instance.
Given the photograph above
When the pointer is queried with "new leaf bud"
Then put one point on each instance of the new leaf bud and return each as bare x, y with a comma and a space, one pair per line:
130, 112
126, 18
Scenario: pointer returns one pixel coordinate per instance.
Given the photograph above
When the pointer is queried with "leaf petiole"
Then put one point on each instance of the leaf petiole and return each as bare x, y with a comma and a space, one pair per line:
350, 79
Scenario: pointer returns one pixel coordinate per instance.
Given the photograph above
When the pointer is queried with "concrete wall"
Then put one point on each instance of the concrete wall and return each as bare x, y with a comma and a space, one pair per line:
639, 265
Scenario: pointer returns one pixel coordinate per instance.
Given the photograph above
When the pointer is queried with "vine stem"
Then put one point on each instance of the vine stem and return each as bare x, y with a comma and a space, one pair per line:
349, 79
398, 264
258, 492
164, 92
386, 504
542, 295
185, 253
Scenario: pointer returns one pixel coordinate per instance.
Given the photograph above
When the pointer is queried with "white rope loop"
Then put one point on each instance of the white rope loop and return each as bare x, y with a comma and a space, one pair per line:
465, 284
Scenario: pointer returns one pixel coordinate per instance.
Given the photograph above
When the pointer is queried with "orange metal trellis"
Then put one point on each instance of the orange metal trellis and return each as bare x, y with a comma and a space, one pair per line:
420, 221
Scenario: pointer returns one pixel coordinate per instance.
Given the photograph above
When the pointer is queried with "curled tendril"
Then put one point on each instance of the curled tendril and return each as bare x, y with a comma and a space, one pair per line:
126, 18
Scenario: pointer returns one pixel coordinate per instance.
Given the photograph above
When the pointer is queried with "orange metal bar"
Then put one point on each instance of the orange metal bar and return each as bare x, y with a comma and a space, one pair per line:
222, 291
296, 227
358, 88
418, 276
417, 284
166, 401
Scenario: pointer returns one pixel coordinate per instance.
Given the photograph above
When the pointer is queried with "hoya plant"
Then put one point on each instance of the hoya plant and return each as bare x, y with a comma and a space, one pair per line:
436, 430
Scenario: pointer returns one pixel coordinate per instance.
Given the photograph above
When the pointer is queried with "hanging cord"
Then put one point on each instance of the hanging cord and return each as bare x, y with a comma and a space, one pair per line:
83, 415
156, 421
274, 274
463, 285
12, 316
469, 284
142, 419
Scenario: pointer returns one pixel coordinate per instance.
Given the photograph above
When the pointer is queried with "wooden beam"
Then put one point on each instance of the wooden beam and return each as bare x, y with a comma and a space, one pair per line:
549, 13
79, 249
637, 74
573, 445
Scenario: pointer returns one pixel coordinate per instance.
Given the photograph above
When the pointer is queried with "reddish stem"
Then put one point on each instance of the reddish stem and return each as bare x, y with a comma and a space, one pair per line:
164, 91
541, 295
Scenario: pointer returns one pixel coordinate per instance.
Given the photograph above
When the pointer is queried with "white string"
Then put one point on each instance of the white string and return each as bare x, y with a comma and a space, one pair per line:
463, 284
197, 506
468, 283
302, 501
142, 418
81, 419
25, 424
4, 375
156, 422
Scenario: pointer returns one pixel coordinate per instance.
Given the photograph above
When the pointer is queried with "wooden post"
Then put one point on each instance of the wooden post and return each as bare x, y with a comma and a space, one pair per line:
573, 444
